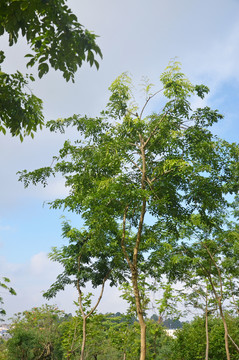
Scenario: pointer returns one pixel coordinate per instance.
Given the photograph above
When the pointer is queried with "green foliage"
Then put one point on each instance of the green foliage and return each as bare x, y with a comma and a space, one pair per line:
142, 184
159, 344
36, 334
71, 337
20, 111
123, 332
120, 95
3, 349
145, 288
108, 337
56, 39
191, 339
186, 168
211, 264
53, 32
84, 261
4, 284
113, 336
167, 305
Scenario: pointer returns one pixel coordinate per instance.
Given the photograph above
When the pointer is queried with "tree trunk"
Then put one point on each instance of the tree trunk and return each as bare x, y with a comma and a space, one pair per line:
225, 330
226, 338
142, 338
83, 338
206, 326
140, 316
218, 298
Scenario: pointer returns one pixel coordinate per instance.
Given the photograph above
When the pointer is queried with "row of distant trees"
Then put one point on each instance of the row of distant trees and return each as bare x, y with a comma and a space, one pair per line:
48, 333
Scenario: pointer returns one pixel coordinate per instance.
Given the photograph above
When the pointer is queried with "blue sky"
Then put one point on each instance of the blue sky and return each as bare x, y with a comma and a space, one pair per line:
136, 36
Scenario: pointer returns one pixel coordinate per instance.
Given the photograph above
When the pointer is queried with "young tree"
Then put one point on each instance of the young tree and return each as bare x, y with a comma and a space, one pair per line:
84, 261
214, 259
56, 40
140, 178
198, 295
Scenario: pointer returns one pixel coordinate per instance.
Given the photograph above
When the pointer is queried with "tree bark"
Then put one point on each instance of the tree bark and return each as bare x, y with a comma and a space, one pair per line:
83, 338
140, 316
225, 330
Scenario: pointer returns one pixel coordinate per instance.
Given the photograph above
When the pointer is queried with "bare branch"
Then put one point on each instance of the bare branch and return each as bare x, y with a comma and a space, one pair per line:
100, 296
143, 208
131, 113
233, 342
136, 165
149, 98
217, 267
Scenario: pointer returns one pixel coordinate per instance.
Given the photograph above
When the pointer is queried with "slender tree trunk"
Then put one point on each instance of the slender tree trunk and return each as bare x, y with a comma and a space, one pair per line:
133, 264
83, 338
219, 299
124, 358
85, 316
207, 335
225, 330
140, 316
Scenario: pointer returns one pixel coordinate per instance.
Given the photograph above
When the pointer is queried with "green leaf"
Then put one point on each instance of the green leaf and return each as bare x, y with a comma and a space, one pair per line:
43, 68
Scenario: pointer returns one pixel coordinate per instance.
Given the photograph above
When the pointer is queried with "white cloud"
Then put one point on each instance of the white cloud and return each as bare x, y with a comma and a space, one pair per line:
40, 265
32, 278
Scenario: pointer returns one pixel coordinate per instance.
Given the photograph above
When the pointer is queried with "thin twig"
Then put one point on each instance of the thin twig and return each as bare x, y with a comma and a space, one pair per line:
149, 98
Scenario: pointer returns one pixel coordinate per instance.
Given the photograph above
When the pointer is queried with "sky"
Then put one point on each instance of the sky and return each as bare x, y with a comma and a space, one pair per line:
135, 36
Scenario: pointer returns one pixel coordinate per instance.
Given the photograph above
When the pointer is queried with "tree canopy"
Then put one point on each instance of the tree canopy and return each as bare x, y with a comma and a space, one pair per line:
56, 40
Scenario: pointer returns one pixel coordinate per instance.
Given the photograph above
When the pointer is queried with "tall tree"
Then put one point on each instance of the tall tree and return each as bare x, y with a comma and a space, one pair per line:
56, 40
141, 177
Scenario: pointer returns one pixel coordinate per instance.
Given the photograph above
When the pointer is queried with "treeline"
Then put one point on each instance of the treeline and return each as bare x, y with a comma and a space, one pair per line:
47, 333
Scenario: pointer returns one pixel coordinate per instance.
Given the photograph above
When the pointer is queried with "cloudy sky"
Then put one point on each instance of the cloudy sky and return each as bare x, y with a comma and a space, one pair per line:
136, 36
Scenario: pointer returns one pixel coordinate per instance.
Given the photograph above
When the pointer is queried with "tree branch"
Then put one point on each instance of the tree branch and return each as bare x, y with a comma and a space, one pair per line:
101, 294
154, 130
123, 239
149, 98
233, 342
